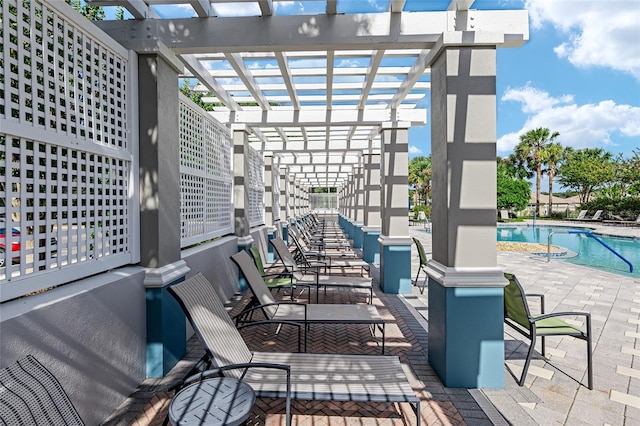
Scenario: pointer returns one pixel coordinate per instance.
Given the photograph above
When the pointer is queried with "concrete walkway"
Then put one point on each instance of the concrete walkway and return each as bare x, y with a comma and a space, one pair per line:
555, 392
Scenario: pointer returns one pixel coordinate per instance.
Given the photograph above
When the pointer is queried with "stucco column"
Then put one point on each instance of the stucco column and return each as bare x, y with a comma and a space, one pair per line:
292, 198
395, 244
240, 137
160, 211
284, 203
348, 222
359, 203
466, 346
269, 202
372, 227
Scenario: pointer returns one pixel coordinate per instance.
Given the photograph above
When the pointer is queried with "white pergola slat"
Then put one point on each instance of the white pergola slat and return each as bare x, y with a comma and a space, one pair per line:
312, 88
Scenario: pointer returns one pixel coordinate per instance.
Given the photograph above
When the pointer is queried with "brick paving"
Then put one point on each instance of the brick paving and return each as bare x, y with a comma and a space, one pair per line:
406, 337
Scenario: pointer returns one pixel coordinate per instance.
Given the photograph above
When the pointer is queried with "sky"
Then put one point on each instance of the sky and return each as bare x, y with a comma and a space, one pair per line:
579, 73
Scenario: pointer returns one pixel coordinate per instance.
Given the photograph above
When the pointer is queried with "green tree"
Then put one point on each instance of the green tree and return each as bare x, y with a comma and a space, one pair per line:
530, 153
120, 13
93, 13
552, 155
513, 191
420, 177
585, 170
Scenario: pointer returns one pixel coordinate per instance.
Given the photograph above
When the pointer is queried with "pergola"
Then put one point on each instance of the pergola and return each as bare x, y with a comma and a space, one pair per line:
328, 98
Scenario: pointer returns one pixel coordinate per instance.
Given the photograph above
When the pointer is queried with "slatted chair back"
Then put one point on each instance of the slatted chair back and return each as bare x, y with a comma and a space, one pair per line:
286, 258
259, 289
31, 395
211, 322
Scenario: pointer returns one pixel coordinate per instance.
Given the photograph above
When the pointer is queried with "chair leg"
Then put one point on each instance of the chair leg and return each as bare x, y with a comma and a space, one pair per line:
424, 284
589, 355
528, 360
417, 275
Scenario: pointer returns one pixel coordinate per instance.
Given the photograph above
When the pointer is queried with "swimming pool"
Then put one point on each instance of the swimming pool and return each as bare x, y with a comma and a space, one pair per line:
589, 251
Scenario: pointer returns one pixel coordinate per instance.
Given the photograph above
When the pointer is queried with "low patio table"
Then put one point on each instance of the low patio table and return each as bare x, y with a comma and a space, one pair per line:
216, 401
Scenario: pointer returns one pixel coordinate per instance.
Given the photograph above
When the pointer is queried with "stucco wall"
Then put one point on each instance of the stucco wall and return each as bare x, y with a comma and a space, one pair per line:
90, 334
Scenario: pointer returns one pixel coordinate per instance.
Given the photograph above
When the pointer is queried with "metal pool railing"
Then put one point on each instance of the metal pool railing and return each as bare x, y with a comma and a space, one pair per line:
590, 235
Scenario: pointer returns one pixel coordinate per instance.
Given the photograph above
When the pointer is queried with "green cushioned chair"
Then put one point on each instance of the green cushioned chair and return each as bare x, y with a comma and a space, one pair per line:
518, 316
276, 280
423, 263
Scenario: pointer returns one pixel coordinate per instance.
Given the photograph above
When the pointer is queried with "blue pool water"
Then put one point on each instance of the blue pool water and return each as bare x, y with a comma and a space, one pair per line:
589, 251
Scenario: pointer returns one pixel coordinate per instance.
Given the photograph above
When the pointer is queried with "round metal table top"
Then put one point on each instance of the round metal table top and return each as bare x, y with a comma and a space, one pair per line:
216, 401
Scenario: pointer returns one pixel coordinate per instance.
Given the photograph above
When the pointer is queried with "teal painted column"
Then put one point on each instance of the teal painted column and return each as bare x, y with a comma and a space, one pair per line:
244, 243
166, 323
395, 265
358, 236
370, 244
466, 340
395, 243
271, 257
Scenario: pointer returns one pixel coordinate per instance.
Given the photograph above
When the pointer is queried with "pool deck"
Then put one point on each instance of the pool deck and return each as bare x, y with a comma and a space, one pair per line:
555, 392
555, 389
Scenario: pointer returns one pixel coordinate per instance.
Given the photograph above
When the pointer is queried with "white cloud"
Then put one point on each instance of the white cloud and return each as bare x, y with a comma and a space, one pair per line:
236, 9
414, 150
599, 33
580, 126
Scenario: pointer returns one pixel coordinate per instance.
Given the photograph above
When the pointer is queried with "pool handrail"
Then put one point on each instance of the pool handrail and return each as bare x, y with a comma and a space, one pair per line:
588, 234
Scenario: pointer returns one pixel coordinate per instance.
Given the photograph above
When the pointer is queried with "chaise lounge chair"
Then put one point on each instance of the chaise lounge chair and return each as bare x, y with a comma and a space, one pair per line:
622, 222
306, 314
316, 377
581, 215
518, 316
594, 218
313, 277
31, 395
329, 260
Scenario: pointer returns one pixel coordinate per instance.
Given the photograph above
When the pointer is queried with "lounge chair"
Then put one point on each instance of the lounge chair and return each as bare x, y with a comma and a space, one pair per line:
518, 316
276, 280
31, 395
316, 377
306, 314
594, 218
327, 260
313, 277
581, 215
423, 263
622, 222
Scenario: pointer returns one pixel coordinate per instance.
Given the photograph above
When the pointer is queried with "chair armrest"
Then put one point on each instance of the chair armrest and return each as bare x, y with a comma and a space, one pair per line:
541, 296
256, 307
561, 314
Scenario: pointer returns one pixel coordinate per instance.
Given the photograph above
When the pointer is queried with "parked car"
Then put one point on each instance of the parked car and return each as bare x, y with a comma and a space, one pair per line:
15, 244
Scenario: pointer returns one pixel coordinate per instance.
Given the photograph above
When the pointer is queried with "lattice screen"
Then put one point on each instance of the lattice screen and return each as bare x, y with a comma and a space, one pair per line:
65, 159
255, 187
205, 175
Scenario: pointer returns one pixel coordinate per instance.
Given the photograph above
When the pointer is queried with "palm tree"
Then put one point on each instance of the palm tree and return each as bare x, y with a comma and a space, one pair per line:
420, 176
552, 155
530, 151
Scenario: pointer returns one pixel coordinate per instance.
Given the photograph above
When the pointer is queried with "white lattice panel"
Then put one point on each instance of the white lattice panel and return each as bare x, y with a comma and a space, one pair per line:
65, 160
57, 77
255, 187
205, 175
